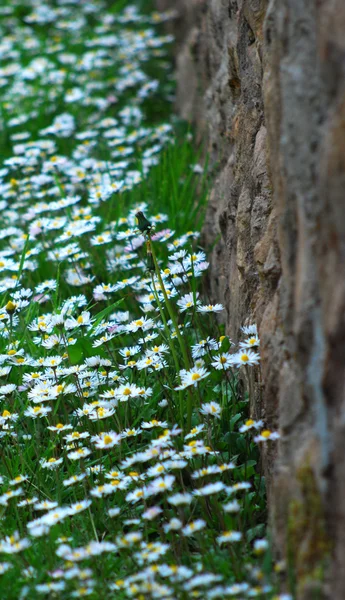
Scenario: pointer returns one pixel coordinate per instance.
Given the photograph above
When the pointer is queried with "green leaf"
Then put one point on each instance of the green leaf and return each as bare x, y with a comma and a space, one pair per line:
104, 313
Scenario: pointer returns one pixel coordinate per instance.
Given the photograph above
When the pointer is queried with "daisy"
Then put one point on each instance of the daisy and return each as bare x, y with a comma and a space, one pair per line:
152, 513
246, 357
232, 507
130, 433
7, 416
27, 501
204, 346
180, 499
250, 424
106, 440
250, 330
250, 342
215, 308
78, 507
210, 470
267, 435
229, 536
212, 488
51, 463
114, 512
241, 485
194, 527
142, 324
6, 390
161, 484
73, 479
223, 361
188, 301
173, 525
37, 411
260, 546
191, 377
78, 454
211, 409
154, 423
45, 505
127, 352
59, 427
13, 544
100, 413
135, 496
127, 391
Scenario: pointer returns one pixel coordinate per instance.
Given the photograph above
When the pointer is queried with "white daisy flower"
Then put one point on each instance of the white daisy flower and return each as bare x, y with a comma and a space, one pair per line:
229, 536
246, 357
192, 377
194, 527
212, 409
267, 435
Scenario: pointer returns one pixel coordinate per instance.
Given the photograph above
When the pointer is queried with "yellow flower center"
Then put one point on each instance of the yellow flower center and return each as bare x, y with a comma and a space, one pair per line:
266, 433
107, 439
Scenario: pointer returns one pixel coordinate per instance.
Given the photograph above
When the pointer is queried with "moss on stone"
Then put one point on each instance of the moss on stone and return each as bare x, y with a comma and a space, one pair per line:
308, 542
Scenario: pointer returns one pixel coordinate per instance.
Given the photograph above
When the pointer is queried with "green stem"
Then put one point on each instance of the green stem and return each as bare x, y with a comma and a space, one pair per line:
170, 342
169, 306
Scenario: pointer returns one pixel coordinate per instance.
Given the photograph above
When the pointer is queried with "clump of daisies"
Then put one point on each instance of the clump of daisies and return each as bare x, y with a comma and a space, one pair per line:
129, 457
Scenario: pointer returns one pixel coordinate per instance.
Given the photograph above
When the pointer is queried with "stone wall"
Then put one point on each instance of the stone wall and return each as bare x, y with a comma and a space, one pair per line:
264, 83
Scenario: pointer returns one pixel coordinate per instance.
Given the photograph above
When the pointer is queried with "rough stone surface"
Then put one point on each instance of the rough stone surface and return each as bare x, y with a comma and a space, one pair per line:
264, 80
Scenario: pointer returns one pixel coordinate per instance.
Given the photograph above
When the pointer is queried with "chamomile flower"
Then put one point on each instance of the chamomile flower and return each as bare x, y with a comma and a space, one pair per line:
13, 544
159, 485
212, 409
51, 464
78, 507
266, 435
251, 342
246, 357
37, 411
204, 347
229, 536
194, 527
192, 377
79, 453
73, 479
223, 361
208, 490
188, 301
210, 308
251, 424
151, 513
106, 440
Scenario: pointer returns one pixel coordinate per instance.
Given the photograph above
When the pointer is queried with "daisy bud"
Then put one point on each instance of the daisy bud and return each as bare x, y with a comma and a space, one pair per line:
150, 262
143, 224
10, 307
